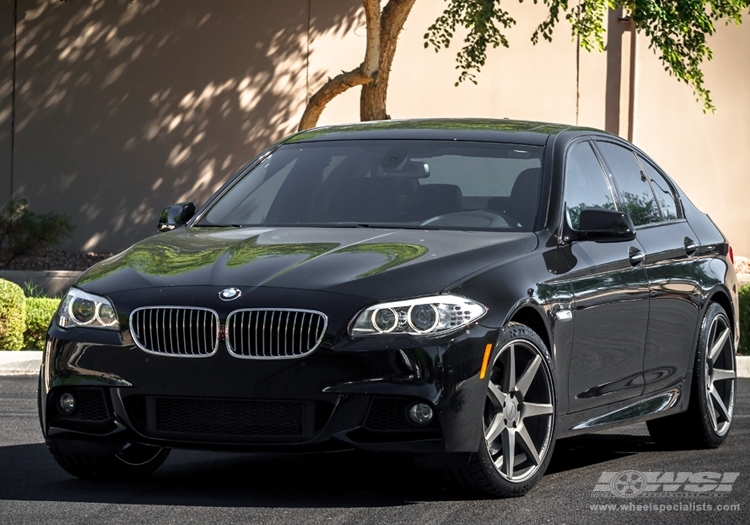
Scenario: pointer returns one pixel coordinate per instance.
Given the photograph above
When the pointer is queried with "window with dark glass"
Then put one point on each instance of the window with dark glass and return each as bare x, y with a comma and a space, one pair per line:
585, 183
635, 192
390, 183
662, 190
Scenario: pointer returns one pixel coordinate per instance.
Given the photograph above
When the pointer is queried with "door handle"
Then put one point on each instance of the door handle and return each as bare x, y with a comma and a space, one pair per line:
636, 256
690, 246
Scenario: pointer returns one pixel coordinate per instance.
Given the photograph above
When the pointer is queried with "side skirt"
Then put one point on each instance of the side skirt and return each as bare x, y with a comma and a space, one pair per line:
671, 401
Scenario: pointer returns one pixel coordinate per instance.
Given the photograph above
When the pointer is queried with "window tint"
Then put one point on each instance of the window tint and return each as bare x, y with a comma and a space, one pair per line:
252, 196
585, 183
415, 183
662, 190
479, 176
638, 200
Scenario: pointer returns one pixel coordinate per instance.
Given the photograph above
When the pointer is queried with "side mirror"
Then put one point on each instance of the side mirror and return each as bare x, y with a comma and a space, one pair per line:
175, 216
600, 225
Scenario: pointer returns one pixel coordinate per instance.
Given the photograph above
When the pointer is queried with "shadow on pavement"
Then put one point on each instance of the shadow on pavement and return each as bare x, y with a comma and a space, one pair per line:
343, 479
340, 479
592, 449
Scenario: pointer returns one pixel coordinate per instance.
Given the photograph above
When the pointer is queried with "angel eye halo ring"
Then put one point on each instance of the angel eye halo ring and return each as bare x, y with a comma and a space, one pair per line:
385, 320
83, 309
423, 316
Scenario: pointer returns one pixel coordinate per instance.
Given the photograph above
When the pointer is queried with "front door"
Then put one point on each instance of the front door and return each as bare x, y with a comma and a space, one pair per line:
611, 296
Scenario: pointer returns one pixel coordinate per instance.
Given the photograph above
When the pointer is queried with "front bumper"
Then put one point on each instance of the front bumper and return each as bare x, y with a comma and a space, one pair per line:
354, 394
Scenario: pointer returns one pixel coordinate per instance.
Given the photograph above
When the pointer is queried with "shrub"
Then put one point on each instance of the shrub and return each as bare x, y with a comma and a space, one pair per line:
12, 316
744, 294
23, 232
39, 314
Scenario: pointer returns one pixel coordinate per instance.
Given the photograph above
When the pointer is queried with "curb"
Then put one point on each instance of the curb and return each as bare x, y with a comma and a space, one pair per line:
23, 363
27, 363
743, 366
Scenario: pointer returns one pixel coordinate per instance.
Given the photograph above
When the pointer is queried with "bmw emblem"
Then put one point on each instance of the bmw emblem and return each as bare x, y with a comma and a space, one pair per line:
229, 294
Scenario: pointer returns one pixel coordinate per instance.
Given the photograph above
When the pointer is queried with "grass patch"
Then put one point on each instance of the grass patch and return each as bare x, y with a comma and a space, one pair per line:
744, 294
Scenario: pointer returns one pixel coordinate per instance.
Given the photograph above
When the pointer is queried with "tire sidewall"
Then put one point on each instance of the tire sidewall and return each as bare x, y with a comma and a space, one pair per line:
507, 488
699, 397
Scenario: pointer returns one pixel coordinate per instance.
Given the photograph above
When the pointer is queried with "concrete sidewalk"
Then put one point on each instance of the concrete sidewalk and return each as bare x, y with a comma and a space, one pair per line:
27, 362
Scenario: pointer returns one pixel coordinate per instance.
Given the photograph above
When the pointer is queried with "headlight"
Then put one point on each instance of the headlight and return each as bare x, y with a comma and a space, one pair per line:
438, 315
83, 309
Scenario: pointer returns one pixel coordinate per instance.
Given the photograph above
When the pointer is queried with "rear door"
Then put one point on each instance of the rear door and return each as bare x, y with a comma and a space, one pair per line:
670, 245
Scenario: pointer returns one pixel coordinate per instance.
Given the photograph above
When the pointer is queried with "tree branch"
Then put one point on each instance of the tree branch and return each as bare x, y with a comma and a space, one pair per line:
334, 87
366, 73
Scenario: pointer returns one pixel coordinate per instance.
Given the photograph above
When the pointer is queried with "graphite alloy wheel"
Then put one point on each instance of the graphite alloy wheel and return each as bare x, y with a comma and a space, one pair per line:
707, 421
518, 419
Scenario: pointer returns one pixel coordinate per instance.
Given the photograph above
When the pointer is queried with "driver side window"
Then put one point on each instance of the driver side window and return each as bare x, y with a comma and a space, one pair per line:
586, 185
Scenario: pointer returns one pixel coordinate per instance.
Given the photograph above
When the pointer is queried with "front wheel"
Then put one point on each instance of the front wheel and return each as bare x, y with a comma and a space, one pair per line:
708, 418
518, 418
132, 461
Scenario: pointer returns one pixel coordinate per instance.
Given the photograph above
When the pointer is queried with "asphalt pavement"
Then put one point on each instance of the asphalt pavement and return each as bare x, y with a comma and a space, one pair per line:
351, 487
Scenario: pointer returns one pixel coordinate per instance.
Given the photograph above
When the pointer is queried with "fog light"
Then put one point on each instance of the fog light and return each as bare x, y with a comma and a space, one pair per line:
67, 403
421, 413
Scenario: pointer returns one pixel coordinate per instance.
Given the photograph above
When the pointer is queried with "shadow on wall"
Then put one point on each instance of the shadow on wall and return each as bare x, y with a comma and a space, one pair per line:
122, 109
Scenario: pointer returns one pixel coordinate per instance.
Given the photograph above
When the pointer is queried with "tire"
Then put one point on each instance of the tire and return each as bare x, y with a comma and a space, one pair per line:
518, 420
706, 422
132, 461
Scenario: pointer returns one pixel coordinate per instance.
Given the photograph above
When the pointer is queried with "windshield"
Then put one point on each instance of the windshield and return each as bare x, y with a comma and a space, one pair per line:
387, 183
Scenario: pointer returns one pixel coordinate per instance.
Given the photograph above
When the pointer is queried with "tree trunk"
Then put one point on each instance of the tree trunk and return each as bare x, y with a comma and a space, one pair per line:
372, 102
372, 52
367, 72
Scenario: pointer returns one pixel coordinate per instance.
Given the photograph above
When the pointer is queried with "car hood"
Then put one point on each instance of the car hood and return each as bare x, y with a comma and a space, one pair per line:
364, 262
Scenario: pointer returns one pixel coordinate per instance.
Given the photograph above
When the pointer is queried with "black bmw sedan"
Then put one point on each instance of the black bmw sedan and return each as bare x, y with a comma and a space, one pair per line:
462, 291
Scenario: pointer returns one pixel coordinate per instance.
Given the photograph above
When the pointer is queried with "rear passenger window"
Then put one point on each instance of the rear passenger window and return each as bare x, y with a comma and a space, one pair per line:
585, 183
663, 191
635, 192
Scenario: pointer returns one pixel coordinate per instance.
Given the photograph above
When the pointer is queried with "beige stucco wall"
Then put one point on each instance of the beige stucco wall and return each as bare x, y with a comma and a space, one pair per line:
124, 108
707, 154
6, 92
526, 82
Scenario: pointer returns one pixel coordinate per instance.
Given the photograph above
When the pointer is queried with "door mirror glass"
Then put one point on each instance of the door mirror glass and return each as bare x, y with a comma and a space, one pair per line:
175, 216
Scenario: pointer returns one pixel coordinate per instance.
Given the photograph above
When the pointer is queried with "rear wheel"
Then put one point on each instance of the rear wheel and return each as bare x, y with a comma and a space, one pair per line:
708, 418
518, 419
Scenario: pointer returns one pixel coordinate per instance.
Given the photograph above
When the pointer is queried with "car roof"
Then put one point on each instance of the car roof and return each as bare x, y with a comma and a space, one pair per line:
483, 130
